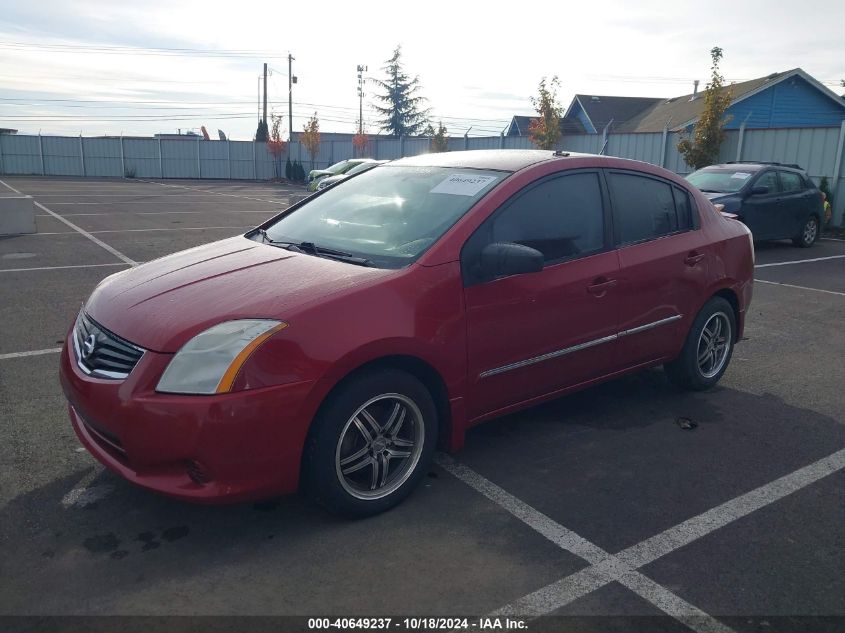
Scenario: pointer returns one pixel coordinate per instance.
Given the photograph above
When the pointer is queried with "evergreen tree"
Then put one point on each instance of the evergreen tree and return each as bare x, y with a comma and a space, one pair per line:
262, 133
402, 113
288, 168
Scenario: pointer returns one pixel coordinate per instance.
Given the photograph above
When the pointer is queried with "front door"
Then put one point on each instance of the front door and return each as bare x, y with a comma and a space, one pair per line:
765, 213
532, 334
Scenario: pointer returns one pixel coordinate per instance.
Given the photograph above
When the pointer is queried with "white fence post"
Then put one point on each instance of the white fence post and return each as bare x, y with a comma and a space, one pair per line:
837, 171
82, 154
160, 160
122, 159
663, 146
41, 153
739, 142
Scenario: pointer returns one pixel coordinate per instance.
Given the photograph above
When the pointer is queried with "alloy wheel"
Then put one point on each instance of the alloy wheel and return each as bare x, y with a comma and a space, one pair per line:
380, 446
714, 344
810, 230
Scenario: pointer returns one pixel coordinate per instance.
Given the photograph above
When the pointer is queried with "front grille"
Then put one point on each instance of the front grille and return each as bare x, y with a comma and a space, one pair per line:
100, 353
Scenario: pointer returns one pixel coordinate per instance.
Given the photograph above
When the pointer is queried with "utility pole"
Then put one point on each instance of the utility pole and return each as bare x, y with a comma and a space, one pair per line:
291, 81
361, 71
265, 94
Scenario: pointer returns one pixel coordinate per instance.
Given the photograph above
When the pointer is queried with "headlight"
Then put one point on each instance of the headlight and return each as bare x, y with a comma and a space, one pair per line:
322, 184
209, 362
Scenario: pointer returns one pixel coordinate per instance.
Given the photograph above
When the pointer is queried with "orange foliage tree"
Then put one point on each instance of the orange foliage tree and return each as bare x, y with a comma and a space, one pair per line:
275, 145
311, 137
544, 131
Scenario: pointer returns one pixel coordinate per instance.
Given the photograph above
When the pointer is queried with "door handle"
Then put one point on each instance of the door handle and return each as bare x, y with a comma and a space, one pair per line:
693, 258
600, 286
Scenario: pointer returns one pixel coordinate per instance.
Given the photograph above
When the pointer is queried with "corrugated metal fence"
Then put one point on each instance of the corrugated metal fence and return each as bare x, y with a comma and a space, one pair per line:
818, 150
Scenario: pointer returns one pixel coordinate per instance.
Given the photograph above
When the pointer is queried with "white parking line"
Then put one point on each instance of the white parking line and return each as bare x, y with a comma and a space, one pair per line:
170, 202
777, 283
178, 228
38, 352
605, 568
83, 494
216, 193
800, 261
96, 241
21, 270
130, 213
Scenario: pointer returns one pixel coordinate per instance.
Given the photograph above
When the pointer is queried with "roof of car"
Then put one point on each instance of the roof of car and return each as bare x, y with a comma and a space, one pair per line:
497, 159
753, 166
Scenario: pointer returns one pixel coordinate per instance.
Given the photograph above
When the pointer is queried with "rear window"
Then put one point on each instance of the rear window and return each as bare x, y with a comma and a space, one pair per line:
791, 181
644, 207
720, 179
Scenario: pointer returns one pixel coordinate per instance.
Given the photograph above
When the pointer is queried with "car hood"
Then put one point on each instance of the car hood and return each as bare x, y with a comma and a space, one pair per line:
161, 305
715, 195
314, 173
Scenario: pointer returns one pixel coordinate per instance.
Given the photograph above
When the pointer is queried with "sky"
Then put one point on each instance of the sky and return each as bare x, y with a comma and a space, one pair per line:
90, 67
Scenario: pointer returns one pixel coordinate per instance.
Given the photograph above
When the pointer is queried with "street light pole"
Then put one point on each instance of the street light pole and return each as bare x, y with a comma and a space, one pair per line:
291, 81
361, 71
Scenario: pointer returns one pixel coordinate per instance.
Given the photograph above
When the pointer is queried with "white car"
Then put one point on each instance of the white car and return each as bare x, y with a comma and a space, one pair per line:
362, 167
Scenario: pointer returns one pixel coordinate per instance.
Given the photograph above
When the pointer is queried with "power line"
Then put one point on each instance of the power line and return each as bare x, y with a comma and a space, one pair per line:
136, 50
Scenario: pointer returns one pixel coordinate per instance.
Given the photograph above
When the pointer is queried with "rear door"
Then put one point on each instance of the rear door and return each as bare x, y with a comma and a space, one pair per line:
796, 203
663, 264
532, 334
765, 213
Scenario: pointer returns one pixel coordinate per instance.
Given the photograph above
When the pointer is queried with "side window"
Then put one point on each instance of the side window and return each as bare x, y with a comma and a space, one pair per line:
790, 181
683, 205
768, 179
561, 218
644, 208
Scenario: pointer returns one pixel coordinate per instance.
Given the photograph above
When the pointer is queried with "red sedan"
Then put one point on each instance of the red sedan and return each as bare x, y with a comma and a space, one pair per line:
334, 347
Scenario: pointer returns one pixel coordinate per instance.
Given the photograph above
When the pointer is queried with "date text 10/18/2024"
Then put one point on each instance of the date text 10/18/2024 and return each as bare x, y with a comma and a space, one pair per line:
422, 624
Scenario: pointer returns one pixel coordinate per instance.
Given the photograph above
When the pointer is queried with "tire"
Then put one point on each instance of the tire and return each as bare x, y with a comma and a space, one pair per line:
809, 234
382, 417
687, 371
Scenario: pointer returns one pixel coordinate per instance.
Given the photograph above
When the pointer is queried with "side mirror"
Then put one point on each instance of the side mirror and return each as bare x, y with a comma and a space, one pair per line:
759, 190
501, 259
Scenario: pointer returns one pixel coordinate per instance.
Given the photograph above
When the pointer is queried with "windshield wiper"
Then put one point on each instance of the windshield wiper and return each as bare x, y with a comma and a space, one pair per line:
269, 239
330, 253
310, 248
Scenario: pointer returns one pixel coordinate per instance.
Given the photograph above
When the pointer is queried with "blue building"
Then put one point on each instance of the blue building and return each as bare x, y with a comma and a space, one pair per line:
788, 99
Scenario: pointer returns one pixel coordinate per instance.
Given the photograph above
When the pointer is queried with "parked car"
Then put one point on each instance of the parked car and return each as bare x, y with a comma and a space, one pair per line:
335, 346
315, 175
358, 169
775, 201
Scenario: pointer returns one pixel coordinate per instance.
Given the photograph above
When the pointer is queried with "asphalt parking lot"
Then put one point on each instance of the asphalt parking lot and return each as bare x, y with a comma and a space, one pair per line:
597, 504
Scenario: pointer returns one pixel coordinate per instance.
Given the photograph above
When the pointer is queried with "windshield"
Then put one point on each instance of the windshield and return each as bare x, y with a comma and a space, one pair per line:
390, 215
719, 180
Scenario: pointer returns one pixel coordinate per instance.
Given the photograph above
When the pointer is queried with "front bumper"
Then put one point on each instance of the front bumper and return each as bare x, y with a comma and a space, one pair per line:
214, 449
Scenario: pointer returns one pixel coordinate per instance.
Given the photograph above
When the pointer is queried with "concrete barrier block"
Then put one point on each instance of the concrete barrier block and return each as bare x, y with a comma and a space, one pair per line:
17, 214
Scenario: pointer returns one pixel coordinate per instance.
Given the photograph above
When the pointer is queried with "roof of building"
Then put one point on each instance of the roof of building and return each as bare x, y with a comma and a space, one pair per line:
603, 109
679, 112
519, 126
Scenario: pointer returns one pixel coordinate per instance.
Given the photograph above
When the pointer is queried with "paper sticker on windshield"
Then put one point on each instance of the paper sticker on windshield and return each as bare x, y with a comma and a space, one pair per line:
742, 175
466, 184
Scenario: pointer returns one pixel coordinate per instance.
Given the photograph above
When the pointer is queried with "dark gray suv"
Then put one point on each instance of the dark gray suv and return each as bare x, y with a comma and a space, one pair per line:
774, 200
